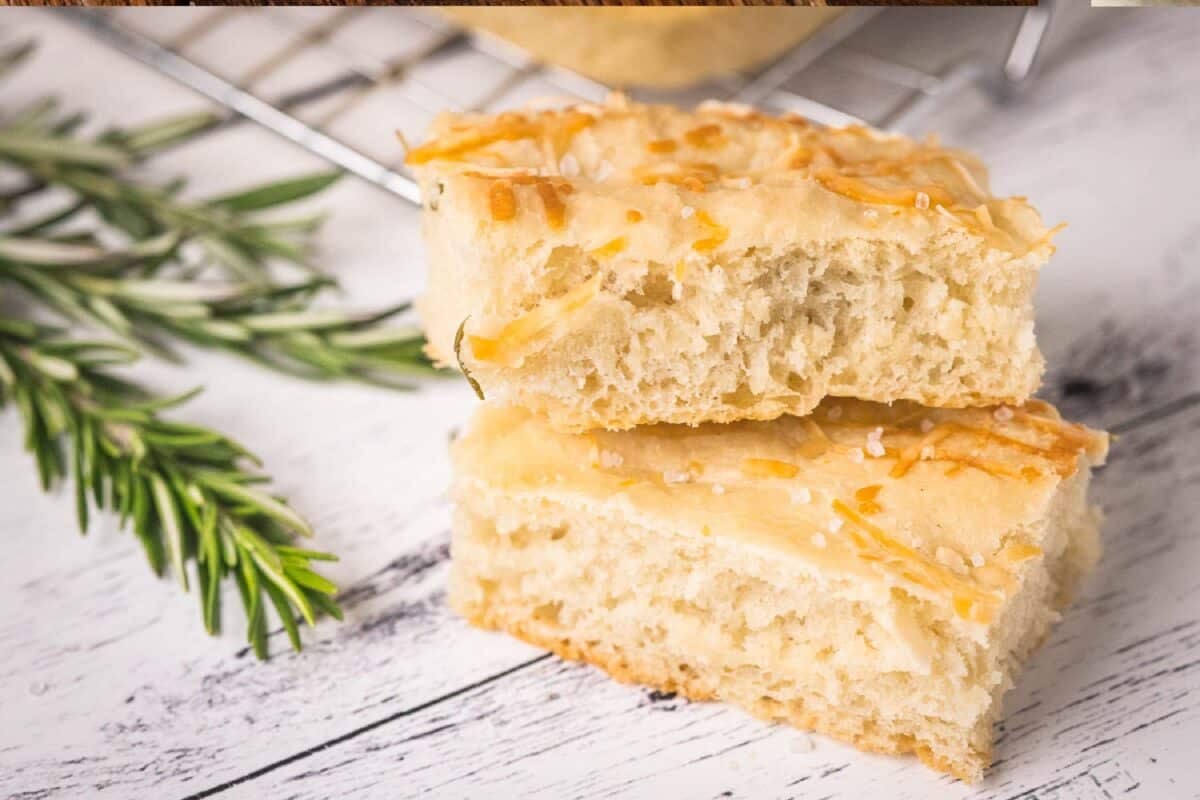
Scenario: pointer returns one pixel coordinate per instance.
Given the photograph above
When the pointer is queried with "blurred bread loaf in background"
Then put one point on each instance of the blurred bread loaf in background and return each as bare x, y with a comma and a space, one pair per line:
648, 46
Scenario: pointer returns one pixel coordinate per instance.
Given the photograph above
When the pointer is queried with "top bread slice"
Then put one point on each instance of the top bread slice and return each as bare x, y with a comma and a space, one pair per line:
611, 266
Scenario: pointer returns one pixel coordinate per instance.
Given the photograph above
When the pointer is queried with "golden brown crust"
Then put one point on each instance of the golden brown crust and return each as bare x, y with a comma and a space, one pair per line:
515, 161
623, 668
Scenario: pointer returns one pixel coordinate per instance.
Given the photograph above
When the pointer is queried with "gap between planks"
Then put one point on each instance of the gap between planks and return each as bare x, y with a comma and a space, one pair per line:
1154, 415
370, 726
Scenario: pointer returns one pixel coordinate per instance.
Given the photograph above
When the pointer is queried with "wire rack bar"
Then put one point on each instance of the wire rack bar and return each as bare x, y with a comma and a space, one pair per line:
242, 102
360, 76
768, 85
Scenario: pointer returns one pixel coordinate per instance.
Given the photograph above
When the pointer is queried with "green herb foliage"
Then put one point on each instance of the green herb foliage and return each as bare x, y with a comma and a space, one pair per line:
185, 489
135, 258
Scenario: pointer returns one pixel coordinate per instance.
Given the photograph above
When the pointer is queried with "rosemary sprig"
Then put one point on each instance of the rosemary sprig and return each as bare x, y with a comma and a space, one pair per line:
272, 324
201, 271
184, 487
44, 146
136, 258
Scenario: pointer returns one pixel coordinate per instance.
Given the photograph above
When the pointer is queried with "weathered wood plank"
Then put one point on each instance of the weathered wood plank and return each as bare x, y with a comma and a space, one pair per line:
1111, 696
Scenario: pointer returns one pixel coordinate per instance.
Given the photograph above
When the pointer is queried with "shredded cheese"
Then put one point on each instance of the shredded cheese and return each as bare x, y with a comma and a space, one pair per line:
505, 346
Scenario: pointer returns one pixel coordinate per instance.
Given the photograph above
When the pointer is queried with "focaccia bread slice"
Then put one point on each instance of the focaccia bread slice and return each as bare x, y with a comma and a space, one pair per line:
661, 48
614, 266
872, 573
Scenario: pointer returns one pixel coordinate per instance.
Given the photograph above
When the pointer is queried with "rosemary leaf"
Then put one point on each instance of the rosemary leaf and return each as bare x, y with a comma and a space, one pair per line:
31, 146
458, 337
14, 55
161, 134
276, 194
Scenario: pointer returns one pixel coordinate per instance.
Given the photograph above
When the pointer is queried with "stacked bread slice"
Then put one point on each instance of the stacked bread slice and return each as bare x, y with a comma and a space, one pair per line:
758, 424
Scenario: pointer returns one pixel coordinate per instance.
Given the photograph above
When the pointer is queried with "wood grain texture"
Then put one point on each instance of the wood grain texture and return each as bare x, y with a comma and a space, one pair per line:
109, 688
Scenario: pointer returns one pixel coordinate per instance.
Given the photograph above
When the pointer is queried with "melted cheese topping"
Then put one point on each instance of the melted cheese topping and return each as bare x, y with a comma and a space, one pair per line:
709, 148
466, 136
506, 345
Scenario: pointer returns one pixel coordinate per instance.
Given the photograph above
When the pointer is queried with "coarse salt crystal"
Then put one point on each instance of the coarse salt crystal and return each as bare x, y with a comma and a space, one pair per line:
569, 166
718, 489
677, 292
687, 212
835, 412
676, 476
856, 455
733, 109
926, 425
603, 172
818, 539
741, 183
922, 201
609, 460
927, 452
875, 444
801, 495
976, 560
946, 556
1003, 414
835, 524
871, 214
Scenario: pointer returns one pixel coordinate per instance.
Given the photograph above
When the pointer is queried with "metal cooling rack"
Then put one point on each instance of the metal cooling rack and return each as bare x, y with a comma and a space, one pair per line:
307, 74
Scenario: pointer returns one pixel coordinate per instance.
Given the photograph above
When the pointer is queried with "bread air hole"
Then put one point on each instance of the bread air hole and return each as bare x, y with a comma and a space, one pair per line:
655, 290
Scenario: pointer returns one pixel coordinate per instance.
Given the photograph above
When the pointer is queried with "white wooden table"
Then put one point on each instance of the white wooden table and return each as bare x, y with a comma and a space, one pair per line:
108, 687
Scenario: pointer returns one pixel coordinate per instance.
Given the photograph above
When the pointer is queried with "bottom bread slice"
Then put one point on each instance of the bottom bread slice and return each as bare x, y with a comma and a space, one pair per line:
703, 561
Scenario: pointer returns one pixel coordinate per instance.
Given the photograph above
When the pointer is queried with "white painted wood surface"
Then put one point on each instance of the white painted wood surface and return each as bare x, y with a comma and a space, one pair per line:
108, 687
